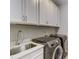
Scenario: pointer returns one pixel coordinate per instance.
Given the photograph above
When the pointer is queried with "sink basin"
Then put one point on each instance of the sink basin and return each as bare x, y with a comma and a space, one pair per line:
28, 46
19, 49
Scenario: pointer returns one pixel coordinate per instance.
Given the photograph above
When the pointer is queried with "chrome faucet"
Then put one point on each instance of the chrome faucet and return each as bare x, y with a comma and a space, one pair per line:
19, 37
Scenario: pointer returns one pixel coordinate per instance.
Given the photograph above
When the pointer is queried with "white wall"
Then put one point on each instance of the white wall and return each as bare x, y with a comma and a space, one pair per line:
29, 32
63, 19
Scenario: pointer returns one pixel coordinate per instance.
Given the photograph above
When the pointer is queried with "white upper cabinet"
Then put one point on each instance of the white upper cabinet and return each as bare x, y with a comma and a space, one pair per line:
37, 12
30, 11
23, 11
16, 11
48, 13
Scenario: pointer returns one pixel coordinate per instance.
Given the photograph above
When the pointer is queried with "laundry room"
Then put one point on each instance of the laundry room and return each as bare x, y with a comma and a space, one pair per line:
38, 29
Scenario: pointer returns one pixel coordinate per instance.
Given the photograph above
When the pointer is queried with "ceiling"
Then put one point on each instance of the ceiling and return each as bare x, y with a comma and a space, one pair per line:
60, 2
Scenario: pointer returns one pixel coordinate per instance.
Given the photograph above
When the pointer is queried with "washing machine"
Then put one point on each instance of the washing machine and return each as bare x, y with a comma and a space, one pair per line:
52, 47
64, 43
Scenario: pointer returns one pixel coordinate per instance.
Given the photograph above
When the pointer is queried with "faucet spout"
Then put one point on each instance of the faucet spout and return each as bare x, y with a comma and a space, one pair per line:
19, 37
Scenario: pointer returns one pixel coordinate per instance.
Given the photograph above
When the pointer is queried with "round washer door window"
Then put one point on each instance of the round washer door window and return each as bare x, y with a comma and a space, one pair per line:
57, 54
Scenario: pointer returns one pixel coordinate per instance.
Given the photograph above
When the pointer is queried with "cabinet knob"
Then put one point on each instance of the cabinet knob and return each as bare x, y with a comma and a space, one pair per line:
46, 22
24, 18
56, 24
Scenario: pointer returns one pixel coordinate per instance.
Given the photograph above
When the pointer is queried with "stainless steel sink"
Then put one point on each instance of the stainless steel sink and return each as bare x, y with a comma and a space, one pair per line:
29, 46
16, 50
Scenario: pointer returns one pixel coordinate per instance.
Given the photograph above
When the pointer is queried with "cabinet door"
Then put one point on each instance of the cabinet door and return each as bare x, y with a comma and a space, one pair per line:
30, 11
58, 20
43, 11
34, 56
48, 13
26, 57
52, 14
16, 11
38, 56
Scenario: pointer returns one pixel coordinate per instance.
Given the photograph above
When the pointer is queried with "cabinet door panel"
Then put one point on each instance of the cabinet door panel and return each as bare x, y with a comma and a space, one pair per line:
48, 13
58, 20
52, 14
30, 10
38, 56
26, 57
16, 10
43, 12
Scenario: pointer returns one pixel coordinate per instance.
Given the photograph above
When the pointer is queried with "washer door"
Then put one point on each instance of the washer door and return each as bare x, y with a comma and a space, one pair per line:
57, 54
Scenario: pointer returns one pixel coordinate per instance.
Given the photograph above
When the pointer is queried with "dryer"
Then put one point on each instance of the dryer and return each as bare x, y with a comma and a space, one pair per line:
64, 43
52, 47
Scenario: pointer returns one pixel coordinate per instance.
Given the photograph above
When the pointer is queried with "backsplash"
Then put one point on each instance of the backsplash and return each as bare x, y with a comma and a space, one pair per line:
30, 32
